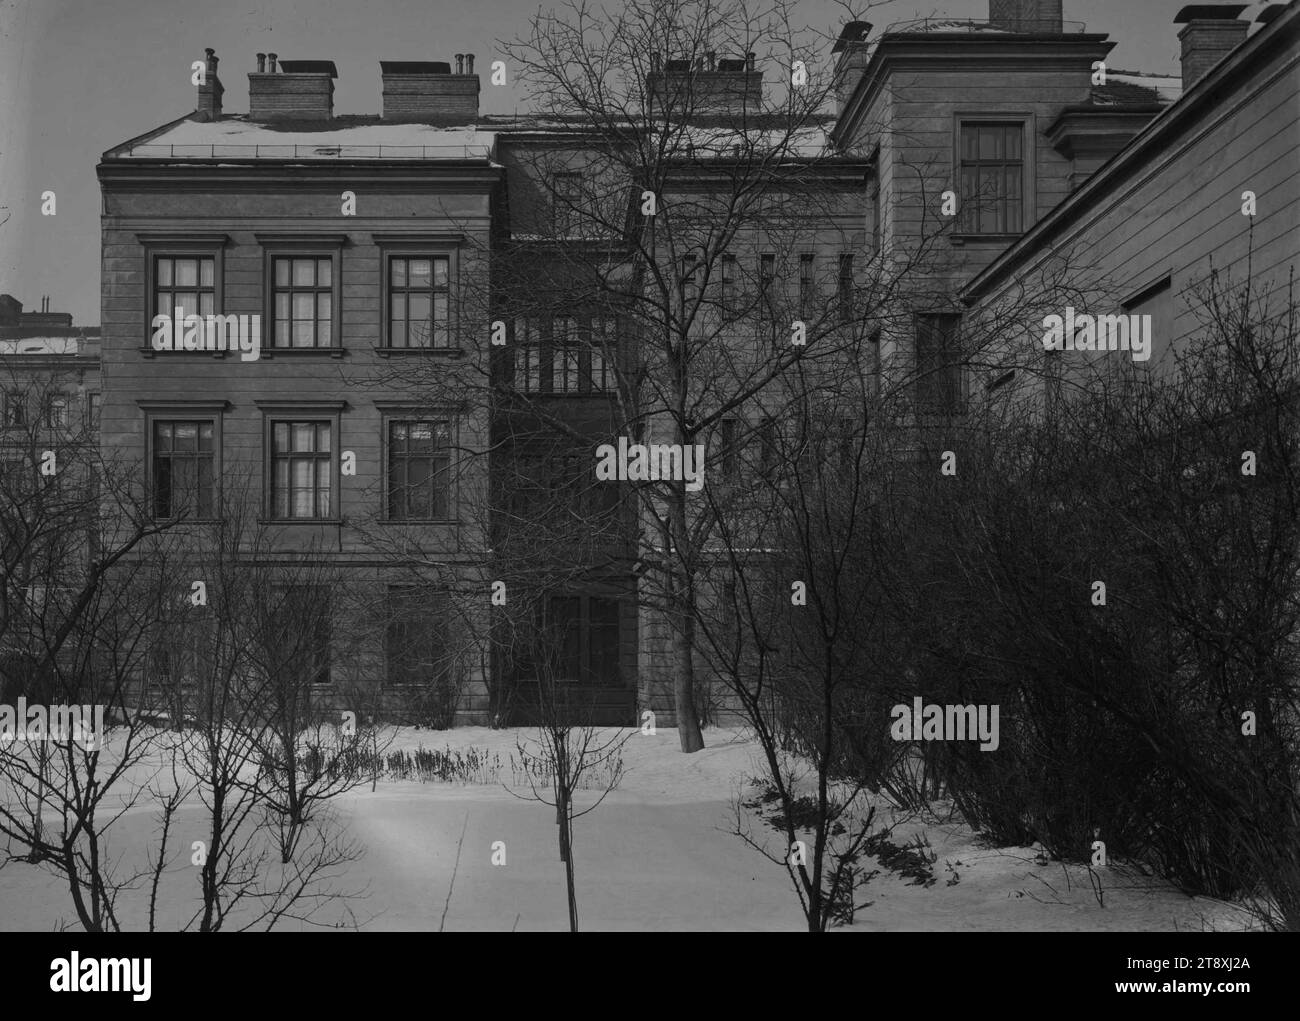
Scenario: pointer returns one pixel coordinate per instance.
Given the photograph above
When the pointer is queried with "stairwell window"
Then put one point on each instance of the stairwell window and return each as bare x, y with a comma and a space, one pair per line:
991, 163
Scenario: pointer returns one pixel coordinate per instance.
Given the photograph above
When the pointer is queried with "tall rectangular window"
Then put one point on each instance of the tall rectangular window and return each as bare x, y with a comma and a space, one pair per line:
729, 436
187, 282
844, 291
15, 408
992, 171
415, 639
577, 642
807, 286
604, 354
55, 412
568, 204
566, 354
183, 464
300, 628
301, 469
419, 463
938, 364
728, 286
419, 292
303, 295
528, 355
877, 213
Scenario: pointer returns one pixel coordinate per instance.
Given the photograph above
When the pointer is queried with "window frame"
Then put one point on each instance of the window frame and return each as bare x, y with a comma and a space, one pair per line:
274, 412
422, 594
180, 246
414, 246
927, 321
313, 246
1026, 121
586, 633
395, 416
184, 411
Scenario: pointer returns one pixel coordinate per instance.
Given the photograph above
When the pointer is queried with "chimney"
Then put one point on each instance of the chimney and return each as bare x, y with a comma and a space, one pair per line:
428, 91
729, 86
210, 92
1210, 32
1040, 16
852, 49
303, 90
261, 63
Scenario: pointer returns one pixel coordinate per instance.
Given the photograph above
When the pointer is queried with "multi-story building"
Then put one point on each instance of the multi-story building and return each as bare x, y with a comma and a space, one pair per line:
407, 273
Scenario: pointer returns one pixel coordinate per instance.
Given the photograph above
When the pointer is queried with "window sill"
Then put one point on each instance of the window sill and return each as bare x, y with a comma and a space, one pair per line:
300, 521
959, 240
294, 352
420, 521
150, 352
435, 352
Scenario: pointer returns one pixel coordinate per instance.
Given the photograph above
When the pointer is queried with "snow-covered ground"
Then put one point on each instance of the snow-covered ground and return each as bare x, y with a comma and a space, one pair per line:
659, 853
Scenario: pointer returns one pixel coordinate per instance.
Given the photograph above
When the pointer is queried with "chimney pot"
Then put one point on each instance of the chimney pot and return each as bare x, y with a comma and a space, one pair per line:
656, 62
469, 63
271, 59
749, 61
460, 63
261, 63
712, 56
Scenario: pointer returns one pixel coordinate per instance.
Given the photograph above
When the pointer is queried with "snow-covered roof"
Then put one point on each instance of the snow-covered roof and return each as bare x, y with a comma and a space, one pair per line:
1167, 87
342, 138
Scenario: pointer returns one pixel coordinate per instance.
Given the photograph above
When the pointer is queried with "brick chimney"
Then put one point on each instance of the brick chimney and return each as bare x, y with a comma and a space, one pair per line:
1041, 16
1210, 32
209, 108
429, 91
852, 48
732, 86
301, 90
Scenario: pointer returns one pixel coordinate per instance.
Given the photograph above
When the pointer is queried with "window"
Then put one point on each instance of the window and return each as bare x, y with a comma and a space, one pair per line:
566, 354
15, 408
767, 278
299, 628
992, 178
92, 410
1156, 301
577, 642
568, 203
185, 282
419, 291
767, 445
690, 281
56, 411
938, 364
604, 352
528, 355
728, 288
729, 434
303, 295
845, 289
415, 638
183, 466
806, 284
301, 469
877, 211
419, 463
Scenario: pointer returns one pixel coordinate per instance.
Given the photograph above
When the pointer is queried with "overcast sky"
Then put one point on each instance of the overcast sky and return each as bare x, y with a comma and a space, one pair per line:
80, 76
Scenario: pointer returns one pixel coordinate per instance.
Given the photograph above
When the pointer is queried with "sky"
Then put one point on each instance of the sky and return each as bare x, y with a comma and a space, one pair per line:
78, 77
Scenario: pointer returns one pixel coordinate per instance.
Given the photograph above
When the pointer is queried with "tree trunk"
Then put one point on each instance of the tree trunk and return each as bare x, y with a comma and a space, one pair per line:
688, 723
